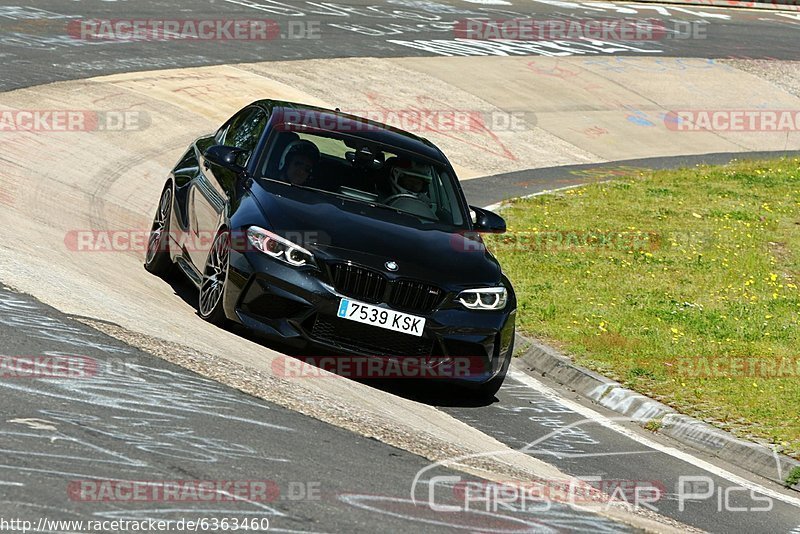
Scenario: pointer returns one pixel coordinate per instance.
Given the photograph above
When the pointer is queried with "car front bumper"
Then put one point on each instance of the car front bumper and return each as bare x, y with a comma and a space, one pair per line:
298, 307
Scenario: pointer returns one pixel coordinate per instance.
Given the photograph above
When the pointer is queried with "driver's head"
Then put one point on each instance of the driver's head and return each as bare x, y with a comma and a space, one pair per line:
407, 177
298, 161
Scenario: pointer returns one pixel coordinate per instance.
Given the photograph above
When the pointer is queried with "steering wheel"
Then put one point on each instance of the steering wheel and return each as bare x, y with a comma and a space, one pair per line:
416, 206
394, 198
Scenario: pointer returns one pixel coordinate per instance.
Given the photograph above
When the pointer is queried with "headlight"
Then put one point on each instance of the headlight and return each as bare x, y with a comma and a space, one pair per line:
490, 298
278, 247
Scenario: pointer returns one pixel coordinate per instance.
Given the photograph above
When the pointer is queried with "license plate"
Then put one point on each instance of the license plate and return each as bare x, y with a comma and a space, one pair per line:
381, 317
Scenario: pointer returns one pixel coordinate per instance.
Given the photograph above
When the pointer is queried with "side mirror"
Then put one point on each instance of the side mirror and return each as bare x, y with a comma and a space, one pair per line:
225, 156
487, 221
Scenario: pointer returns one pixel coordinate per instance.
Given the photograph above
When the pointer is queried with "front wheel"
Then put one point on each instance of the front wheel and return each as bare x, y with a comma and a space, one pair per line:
215, 274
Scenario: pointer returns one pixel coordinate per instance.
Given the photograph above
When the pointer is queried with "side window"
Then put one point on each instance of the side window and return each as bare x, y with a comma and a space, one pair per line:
244, 131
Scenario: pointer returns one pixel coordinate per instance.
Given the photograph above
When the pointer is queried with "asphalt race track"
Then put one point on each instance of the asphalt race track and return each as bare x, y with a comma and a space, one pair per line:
36, 46
142, 418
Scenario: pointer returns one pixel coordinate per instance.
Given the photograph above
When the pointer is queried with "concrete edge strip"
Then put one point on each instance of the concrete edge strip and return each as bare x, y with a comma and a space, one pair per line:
756, 458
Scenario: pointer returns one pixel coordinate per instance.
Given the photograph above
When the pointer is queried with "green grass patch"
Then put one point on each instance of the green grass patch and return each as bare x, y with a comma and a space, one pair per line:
793, 477
663, 279
653, 425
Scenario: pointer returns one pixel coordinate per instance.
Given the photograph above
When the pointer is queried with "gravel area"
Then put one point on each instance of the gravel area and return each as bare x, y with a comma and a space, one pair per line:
782, 74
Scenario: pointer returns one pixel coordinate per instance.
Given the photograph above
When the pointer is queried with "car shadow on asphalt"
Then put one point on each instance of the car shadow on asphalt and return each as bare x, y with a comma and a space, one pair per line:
182, 287
430, 392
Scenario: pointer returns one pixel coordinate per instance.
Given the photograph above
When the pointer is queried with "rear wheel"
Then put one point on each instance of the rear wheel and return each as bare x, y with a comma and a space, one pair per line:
158, 260
215, 274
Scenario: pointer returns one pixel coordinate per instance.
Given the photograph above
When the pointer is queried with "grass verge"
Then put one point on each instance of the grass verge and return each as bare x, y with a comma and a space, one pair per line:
682, 285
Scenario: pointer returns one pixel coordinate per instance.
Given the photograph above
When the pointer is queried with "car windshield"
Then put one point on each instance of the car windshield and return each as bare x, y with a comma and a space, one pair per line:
367, 172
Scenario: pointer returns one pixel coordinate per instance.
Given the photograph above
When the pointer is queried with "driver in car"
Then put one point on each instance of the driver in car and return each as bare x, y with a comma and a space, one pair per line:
409, 185
407, 178
298, 161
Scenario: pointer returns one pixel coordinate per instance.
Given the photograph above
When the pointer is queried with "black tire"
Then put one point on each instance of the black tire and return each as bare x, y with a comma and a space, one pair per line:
158, 260
211, 299
489, 389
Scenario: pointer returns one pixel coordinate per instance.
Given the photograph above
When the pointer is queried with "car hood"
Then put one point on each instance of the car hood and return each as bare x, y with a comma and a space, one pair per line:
340, 229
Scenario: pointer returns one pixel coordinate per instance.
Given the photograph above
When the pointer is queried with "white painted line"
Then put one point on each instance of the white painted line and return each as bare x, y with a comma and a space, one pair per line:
36, 424
647, 442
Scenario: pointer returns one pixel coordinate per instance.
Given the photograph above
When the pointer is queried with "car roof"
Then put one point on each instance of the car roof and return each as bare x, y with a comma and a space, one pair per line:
318, 119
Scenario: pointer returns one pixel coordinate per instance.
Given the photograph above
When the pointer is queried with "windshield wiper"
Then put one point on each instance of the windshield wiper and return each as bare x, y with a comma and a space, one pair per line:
384, 207
398, 210
304, 187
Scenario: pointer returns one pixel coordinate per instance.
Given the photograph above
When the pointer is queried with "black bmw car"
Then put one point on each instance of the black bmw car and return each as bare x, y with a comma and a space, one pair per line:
328, 231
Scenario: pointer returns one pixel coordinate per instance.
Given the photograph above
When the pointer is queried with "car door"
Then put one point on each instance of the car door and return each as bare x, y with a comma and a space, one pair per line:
212, 190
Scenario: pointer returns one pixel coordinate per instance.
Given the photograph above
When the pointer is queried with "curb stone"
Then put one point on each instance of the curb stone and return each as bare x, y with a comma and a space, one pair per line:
758, 459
